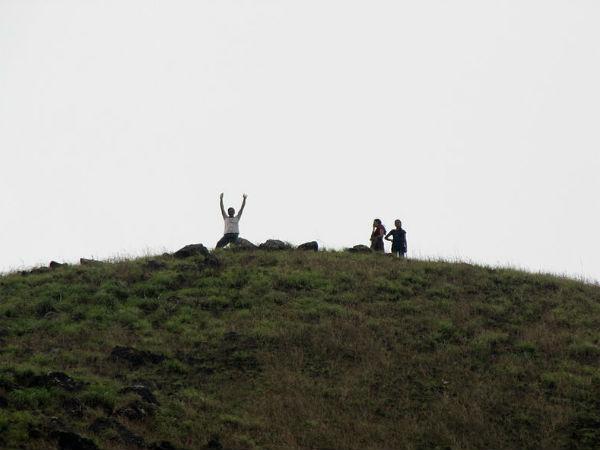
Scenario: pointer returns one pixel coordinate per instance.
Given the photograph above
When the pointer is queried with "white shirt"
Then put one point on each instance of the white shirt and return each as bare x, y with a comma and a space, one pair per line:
232, 224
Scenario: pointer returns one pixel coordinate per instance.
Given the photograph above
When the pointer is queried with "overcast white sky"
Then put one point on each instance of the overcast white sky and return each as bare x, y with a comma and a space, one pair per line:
475, 122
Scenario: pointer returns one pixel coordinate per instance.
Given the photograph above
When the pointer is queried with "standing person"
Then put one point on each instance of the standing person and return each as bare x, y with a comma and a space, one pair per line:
377, 236
232, 224
399, 240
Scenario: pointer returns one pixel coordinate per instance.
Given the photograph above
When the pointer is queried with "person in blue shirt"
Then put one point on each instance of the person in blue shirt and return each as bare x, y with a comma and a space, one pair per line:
399, 246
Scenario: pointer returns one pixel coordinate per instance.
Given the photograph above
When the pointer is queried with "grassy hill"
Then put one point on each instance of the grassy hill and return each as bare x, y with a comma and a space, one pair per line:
297, 350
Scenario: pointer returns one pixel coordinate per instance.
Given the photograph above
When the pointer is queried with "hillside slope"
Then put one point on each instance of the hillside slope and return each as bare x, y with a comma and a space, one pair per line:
297, 350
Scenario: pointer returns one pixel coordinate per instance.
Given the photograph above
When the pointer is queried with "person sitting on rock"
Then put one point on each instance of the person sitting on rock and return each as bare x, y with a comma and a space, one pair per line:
377, 236
399, 240
232, 227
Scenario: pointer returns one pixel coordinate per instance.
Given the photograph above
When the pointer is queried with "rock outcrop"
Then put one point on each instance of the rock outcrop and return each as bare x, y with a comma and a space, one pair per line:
135, 357
243, 244
191, 250
359, 249
309, 246
274, 244
72, 441
56, 265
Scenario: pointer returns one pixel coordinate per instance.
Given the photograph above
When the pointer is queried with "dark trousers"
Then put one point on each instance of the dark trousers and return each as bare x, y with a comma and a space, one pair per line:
229, 238
398, 251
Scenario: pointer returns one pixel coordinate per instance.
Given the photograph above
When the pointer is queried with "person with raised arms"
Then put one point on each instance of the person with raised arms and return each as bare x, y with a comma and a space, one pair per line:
232, 223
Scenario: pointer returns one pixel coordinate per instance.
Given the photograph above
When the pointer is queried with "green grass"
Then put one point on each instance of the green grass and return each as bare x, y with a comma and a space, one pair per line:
295, 350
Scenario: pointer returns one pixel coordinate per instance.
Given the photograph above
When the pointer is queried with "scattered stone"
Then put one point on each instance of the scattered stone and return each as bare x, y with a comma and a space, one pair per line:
34, 431
136, 410
232, 337
164, 445
143, 391
359, 249
274, 244
52, 379
89, 262
191, 250
44, 309
102, 424
136, 357
311, 246
55, 425
214, 443
243, 244
72, 441
74, 407
55, 265
154, 264
211, 261
63, 381
35, 271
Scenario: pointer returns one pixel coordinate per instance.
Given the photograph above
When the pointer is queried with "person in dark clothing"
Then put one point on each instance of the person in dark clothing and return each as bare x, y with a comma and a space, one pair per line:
232, 228
399, 246
377, 236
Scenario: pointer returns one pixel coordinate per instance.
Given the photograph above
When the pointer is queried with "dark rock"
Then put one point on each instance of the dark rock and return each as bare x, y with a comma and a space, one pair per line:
3, 402
44, 308
164, 445
55, 424
36, 271
191, 250
274, 244
211, 261
154, 264
311, 246
214, 443
72, 441
55, 265
52, 379
63, 381
136, 357
143, 391
89, 262
359, 249
243, 244
102, 424
232, 337
73, 407
136, 410
34, 431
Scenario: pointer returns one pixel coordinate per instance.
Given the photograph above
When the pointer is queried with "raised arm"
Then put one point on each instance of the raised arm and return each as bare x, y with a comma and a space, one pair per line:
243, 206
222, 207
387, 236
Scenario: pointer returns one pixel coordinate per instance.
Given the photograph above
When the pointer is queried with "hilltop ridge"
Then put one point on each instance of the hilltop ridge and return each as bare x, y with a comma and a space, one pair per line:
260, 349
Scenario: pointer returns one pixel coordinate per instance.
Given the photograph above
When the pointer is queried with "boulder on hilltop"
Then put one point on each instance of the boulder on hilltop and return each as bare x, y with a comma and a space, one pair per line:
56, 265
243, 244
359, 249
274, 244
310, 246
191, 250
